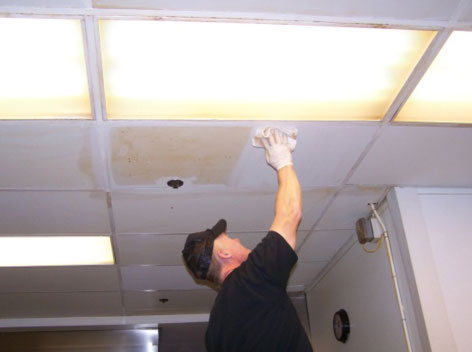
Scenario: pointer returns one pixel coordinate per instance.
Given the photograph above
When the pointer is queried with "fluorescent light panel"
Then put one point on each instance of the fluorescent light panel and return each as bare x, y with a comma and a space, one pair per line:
198, 70
444, 94
42, 69
55, 251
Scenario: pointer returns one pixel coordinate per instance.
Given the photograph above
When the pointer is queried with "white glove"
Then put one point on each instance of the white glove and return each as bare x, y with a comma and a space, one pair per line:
278, 153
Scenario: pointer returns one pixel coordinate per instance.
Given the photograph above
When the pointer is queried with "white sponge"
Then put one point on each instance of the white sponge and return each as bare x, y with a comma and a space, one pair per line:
291, 133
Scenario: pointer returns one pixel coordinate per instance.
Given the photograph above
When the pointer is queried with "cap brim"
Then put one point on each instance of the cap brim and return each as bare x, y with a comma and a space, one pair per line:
219, 228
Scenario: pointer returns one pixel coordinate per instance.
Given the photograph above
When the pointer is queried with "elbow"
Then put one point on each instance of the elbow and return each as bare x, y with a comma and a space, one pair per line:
296, 214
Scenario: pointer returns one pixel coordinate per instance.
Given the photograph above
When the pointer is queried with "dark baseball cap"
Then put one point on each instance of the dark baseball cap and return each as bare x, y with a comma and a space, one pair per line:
198, 249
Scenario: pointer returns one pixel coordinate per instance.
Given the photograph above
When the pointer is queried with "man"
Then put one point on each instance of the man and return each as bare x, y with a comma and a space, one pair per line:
252, 311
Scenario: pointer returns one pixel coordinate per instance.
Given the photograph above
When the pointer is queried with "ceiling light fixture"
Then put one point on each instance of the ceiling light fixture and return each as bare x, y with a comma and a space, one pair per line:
243, 71
42, 69
444, 94
55, 251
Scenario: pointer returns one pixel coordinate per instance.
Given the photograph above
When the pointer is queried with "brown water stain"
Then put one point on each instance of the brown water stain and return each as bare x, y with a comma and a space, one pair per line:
143, 155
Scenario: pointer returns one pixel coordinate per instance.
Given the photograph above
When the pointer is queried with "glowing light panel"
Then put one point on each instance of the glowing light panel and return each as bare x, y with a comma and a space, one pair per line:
55, 251
198, 70
42, 69
444, 94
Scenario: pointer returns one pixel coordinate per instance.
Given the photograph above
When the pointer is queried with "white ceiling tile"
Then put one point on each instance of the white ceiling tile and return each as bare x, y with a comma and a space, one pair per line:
435, 9
350, 204
137, 278
153, 212
50, 3
251, 240
53, 212
425, 156
467, 15
167, 249
49, 155
186, 301
323, 245
304, 273
324, 155
59, 304
151, 249
59, 279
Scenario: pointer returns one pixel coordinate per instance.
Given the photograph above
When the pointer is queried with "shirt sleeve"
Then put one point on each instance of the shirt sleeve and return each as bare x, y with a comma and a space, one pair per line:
273, 258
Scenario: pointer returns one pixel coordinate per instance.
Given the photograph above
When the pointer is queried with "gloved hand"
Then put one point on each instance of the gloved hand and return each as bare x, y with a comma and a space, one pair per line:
278, 153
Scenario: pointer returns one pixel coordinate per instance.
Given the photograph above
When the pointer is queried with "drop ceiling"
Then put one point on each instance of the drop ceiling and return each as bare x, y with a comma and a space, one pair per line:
106, 177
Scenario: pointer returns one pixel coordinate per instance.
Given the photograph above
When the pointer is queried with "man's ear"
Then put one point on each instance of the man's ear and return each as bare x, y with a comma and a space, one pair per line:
224, 254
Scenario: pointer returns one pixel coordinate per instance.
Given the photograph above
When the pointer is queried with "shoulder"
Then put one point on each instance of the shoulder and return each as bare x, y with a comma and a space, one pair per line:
273, 258
274, 238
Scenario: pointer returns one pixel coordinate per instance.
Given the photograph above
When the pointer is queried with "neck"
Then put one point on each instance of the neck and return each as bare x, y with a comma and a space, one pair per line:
228, 269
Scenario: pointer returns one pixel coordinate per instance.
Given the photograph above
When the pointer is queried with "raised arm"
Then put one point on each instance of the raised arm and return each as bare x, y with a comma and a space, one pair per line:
288, 204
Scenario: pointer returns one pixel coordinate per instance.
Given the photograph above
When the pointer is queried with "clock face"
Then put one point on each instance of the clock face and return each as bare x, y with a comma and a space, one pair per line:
341, 326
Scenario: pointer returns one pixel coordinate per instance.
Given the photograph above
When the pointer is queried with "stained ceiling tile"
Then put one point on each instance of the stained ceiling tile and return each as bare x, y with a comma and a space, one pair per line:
153, 277
151, 155
413, 156
52, 156
53, 212
59, 279
59, 304
186, 301
304, 273
175, 212
350, 204
323, 245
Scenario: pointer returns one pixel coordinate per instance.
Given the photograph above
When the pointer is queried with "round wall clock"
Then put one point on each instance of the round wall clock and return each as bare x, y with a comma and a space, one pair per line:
341, 326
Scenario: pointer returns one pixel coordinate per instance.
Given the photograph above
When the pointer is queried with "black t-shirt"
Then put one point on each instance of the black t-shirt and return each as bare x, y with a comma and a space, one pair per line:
252, 311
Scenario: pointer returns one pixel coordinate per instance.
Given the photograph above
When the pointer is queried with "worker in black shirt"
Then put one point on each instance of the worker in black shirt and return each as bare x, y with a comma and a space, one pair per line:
252, 311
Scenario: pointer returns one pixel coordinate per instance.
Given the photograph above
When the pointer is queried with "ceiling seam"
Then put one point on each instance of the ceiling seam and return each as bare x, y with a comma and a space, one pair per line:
114, 243
323, 212
97, 89
90, 65
334, 260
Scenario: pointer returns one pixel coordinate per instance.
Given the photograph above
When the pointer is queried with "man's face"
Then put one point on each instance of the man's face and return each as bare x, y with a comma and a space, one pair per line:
234, 246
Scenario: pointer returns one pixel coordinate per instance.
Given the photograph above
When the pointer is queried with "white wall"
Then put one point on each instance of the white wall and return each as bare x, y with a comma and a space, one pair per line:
431, 236
361, 284
437, 230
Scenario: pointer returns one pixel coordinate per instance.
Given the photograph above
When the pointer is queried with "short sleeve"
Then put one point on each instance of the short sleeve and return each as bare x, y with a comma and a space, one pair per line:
273, 258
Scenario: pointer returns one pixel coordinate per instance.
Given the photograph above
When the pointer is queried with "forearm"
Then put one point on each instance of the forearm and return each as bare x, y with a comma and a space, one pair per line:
288, 205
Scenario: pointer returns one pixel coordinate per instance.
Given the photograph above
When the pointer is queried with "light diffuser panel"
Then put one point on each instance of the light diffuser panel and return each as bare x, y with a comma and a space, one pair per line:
42, 69
55, 250
444, 94
198, 70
